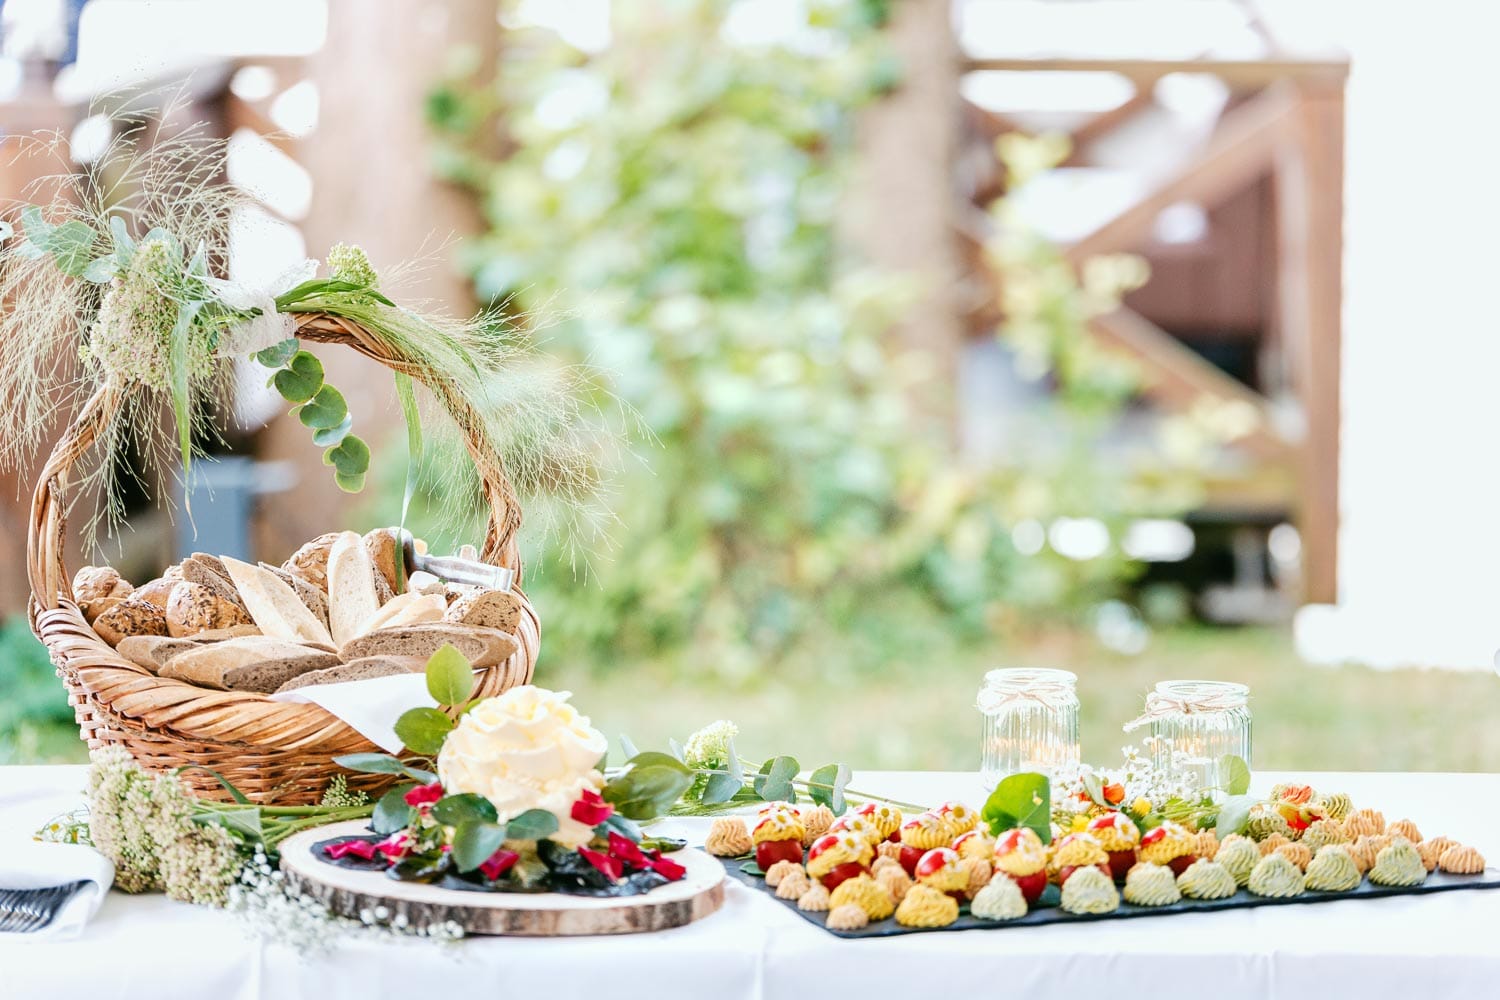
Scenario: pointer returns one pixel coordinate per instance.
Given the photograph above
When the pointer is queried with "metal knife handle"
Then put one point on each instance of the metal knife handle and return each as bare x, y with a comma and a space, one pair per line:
455, 570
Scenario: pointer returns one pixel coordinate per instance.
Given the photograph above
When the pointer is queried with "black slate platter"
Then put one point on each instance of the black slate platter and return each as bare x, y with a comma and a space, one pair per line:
1045, 914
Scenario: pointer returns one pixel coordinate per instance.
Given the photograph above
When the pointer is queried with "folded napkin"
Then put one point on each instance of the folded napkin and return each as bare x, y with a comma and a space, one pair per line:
371, 706
28, 864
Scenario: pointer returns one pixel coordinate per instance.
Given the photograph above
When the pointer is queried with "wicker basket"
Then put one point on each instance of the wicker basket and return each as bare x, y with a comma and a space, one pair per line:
270, 750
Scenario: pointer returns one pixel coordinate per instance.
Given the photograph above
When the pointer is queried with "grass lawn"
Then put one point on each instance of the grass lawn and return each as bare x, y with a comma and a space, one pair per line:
820, 707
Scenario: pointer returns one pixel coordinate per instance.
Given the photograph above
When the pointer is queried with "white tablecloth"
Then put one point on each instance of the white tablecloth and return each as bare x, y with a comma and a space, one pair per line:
1445, 945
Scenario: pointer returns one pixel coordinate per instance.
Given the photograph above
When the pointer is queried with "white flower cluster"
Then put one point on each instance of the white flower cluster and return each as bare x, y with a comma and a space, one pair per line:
709, 746
1139, 776
270, 910
132, 338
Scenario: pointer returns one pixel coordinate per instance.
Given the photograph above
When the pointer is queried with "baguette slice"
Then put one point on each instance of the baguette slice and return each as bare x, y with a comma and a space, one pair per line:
407, 609
357, 670
153, 651
315, 599
488, 609
251, 663
275, 606
352, 597
209, 571
484, 647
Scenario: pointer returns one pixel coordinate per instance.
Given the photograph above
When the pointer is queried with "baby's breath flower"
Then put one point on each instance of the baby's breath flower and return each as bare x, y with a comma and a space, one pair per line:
709, 746
351, 264
338, 796
132, 337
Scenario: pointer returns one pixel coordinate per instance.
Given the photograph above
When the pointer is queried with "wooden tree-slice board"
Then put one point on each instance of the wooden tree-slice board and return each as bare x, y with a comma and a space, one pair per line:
348, 892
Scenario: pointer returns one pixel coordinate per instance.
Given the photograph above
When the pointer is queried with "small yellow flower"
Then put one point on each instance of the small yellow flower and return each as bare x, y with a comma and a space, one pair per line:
1080, 823
1141, 806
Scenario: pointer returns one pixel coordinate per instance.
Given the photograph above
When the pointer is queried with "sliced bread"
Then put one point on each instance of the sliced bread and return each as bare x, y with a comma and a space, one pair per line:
207, 571
499, 609
153, 651
251, 663
352, 595
357, 670
275, 606
484, 647
385, 553
407, 609
315, 599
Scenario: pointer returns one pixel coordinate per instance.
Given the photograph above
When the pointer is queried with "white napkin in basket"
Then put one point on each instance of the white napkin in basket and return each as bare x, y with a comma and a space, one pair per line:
371, 706
28, 864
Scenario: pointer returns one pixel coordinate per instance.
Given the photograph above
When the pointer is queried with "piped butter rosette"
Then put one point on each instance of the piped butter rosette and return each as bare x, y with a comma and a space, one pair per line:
776, 825
926, 831
1275, 876
941, 869
959, 817
1238, 856
925, 906
1165, 844
815, 822
526, 749
887, 818
860, 827
975, 844
1206, 879
867, 894
1322, 833
1114, 832
1398, 865
1148, 884
847, 918
1077, 850
1000, 900
1089, 890
1332, 869
834, 849
728, 838
1462, 860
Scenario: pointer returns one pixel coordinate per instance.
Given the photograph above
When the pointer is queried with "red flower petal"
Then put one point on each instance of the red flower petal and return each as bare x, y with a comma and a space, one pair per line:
499, 863
611, 867
424, 795
394, 847
591, 809
668, 869
626, 850
362, 849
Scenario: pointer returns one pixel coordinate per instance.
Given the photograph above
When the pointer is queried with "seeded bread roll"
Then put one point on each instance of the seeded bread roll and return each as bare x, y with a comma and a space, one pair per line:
130, 618
310, 562
487, 609
193, 608
252, 663
315, 599
158, 591
94, 582
276, 607
484, 647
208, 571
357, 670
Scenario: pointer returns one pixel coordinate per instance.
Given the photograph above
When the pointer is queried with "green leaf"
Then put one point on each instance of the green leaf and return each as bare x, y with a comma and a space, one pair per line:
6, 230
649, 786
69, 244
244, 820
1094, 786
281, 354
619, 824
38, 230
302, 377
234, 793
452, 810
177, 359
120, 236
450, 676
391, 812
1234, 813
326, 409
774, 782
332, 436
382, 763
628, 747
474, 842
406, 393
1021, 800
533, 824
100, 270
1236, 774
733, 765
351, 460
423, 729
826, 786
751, 868
677, 751
720, 788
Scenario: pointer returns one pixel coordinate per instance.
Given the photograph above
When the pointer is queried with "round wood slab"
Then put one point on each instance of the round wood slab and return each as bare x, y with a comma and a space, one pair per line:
347, 892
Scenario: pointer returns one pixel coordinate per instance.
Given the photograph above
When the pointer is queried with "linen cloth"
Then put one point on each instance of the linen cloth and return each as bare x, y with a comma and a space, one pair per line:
1442, 945
41, 866
370, 707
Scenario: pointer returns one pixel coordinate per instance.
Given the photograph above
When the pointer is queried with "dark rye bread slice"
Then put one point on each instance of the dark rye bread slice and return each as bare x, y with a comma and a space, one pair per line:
153, 651
484, 647
207, 571
315, 599
357, 670
253, 663
487, 609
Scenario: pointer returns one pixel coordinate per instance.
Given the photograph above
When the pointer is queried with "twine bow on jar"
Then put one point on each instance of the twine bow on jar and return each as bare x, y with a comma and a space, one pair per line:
1054, 694
1196, 698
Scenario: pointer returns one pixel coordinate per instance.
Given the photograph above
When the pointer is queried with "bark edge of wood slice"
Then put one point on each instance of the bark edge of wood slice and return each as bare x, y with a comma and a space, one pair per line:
347, 891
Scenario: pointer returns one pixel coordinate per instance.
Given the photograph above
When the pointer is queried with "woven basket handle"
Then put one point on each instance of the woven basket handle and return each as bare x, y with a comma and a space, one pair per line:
45, 566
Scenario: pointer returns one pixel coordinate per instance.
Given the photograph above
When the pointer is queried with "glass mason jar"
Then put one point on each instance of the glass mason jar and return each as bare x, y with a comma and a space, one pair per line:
1030, 722
1204, 720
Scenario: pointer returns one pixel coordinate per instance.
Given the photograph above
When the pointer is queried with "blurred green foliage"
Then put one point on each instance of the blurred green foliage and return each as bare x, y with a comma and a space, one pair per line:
36, 722
669, 209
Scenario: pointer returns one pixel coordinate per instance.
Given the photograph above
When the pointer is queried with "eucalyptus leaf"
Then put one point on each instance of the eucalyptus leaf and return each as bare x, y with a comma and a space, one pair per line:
533, 824
331, 436
825, 786
326, 409
645, 791
281, 354
351, 460
1236, 774
474, 842
450, 676
101, 270
38, 230
391, 812
120, 237
451, 810
423, 729
244, 820
774, 781
733, 764
1094, 786
6, 230
720, 788
383, 763
302, 377
69, 244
